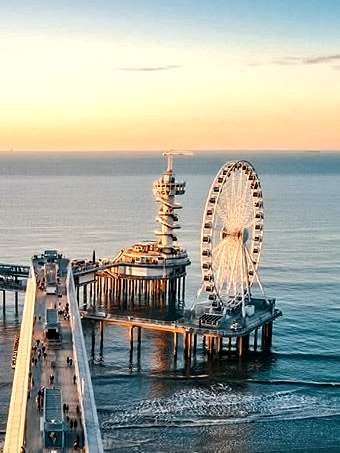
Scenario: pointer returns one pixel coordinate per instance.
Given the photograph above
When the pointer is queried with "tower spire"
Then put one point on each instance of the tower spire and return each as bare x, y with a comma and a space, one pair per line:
165, 190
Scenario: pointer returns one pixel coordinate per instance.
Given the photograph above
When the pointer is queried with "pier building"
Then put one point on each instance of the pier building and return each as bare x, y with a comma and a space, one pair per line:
151, 274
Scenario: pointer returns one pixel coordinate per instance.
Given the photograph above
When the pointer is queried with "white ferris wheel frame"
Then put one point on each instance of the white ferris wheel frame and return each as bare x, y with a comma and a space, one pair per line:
249, 257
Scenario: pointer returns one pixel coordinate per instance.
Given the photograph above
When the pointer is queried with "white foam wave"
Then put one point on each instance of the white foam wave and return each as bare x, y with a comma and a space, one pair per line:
218, 405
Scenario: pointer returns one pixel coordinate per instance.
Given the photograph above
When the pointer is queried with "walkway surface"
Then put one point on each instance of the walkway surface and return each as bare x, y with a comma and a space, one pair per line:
54, 364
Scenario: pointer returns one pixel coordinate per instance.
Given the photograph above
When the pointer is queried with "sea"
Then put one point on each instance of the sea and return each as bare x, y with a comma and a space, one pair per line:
285, 401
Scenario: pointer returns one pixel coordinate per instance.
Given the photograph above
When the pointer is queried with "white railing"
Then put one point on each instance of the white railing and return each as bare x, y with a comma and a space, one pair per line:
93, 439
15, 431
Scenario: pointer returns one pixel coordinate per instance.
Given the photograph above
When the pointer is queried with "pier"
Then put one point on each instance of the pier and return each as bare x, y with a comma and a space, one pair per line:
255, 335
52, 404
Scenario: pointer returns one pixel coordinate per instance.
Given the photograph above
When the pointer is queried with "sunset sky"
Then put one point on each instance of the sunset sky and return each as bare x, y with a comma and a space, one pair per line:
153, 74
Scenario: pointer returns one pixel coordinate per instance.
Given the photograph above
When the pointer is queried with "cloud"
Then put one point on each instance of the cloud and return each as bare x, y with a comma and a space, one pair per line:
320, 59
301, 60
150, 68
288, 61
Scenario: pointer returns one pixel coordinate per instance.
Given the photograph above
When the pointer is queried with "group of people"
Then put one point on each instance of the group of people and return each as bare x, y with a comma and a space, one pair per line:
64, 311
39, 351
40, 398
69, 361
73, 423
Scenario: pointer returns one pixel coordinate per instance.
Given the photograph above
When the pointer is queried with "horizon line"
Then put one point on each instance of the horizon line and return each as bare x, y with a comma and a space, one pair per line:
200, 150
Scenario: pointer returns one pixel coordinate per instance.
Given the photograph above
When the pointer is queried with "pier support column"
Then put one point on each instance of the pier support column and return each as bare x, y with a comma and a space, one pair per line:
93, 345
78, 295
246, 344
229, 344
219, 345
16, 299
255, 339
85, 295
101, 328
175, 343
211, 344
194, 348
4, 302
91, 295
239, 345
131, 342
267, 331
139, 342
187, 345
242, 345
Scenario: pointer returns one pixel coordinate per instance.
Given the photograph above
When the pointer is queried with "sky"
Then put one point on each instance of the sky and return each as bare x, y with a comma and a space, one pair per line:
154, 75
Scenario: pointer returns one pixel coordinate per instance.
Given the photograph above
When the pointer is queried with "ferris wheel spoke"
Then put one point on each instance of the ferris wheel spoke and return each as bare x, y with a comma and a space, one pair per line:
235, 197
231, 280
221, 213
217, 252
221, 272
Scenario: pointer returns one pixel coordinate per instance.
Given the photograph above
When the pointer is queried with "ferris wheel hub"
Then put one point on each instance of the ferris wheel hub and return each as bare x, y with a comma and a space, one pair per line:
237, 234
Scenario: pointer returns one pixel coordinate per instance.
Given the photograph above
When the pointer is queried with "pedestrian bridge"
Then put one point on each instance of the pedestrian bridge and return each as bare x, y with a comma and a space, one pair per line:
52, 403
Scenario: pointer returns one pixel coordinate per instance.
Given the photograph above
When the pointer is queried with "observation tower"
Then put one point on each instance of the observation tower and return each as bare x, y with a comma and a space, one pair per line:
151, 274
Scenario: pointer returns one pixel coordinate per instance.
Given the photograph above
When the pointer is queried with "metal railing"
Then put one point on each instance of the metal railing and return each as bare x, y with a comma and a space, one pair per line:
93, 439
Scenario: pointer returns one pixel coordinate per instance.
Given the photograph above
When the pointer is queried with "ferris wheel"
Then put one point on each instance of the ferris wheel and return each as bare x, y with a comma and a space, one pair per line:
232, 235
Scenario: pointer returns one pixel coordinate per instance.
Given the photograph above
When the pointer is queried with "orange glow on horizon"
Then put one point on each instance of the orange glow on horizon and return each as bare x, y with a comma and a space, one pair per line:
65, 94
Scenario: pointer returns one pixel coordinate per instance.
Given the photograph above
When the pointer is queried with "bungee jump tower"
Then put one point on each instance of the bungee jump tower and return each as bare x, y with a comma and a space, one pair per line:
151, 274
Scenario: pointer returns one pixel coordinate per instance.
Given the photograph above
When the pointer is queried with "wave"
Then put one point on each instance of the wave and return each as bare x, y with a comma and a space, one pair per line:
306, 356
217, 405
293, 382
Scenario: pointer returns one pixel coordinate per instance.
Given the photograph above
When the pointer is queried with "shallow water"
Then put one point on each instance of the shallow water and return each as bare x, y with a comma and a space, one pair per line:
287, 401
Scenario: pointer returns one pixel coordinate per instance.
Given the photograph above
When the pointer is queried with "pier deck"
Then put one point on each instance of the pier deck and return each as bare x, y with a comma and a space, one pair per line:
183, 325
190, 330
50, 333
